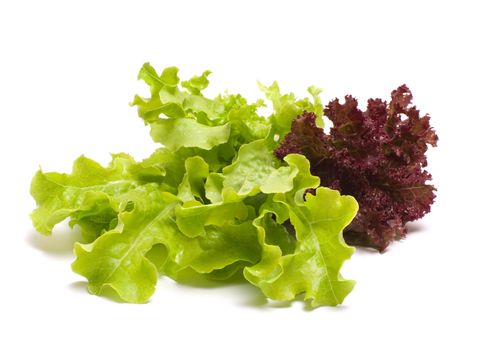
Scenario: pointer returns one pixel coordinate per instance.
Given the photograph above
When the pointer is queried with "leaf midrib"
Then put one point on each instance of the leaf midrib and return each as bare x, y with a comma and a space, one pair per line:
310, 223
140, 236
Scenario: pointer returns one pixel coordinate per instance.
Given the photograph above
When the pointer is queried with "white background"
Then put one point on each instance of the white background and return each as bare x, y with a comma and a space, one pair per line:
67, 73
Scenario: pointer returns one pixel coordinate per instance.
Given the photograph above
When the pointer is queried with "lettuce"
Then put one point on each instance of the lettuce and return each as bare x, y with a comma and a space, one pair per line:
378, 156
213, 199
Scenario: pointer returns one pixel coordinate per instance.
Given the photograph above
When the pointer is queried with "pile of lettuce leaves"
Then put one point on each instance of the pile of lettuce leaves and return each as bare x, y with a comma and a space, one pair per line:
232, 192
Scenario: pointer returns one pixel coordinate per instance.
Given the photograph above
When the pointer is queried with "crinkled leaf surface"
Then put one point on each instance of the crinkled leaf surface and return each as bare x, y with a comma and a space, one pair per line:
118, 258
177, 133
90, 194
213, 200
314, 267
194, 217
286, 107
255, 170
192, 186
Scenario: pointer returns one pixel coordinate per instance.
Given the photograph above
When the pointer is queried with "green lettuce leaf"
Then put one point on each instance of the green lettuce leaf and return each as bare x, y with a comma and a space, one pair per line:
192, 187
320, 251
286, 107
193, 217
193, 120
197, 83
255, 171
213, 200
177, 133
90, 195
118, 258
150, 108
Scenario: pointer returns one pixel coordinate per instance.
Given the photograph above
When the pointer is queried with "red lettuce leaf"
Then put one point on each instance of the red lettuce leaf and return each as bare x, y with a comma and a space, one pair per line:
377, 156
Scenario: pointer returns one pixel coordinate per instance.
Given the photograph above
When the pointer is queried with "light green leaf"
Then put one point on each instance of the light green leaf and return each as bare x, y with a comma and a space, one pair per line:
192, 217
90, 194
192, 186
274, 245
167, 78
254, 170
149, 109
247, 125
226, 272
168, 99
197, 83
213, 187
119, 259
314, 267
303, 180
214, 200
219, 247
317, 105
165, 167
287, 107
177, 133
160, 86
212, 109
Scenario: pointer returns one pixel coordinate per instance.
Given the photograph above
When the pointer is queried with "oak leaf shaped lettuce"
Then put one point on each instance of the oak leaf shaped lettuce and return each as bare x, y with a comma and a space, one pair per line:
118, 258
312, 266
213, 199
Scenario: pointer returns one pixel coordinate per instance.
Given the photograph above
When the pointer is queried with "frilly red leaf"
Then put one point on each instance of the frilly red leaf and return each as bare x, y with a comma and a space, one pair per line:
377, 156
